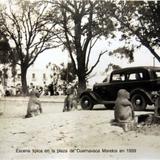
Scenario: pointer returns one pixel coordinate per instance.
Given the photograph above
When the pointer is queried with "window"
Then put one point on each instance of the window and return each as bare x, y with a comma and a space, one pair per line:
135, 76
157, 73
132, 76
118, 77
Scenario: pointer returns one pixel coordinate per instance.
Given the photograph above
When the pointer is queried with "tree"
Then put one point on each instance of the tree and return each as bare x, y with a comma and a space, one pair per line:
139, 19
4, 57
80, 30
111, 67
25, 26
122, 52
68, 74
4, 49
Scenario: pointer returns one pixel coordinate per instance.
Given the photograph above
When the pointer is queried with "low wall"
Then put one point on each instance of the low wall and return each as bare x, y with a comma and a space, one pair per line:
48, 99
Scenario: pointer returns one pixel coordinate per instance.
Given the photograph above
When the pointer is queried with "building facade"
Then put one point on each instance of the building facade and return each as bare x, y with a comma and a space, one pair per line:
35, 76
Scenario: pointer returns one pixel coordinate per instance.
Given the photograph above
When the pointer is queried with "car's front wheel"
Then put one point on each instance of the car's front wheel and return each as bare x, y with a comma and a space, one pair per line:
139, 102
86, 102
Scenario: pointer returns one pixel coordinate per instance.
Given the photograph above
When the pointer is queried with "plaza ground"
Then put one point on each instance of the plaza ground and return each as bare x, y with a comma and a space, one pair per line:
74, 135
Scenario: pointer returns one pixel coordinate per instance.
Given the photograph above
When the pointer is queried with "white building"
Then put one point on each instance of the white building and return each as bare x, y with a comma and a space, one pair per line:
38, 77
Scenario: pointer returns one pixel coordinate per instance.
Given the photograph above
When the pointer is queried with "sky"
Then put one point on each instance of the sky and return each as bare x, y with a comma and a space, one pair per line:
142, 57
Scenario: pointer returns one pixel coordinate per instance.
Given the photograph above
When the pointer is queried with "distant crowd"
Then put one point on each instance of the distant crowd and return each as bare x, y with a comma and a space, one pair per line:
46, 90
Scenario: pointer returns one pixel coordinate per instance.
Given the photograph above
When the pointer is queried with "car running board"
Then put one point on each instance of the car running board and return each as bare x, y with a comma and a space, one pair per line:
107, 102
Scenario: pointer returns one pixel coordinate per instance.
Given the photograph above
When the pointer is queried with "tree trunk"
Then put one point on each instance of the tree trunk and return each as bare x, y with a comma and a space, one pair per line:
151, 50
81, 83
24, 80
81, 74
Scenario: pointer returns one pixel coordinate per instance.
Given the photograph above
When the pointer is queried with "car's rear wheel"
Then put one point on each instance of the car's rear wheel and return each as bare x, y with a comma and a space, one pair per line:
139, 102
86, 102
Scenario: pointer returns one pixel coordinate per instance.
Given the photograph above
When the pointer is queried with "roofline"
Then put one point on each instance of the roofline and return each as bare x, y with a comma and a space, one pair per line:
137, 67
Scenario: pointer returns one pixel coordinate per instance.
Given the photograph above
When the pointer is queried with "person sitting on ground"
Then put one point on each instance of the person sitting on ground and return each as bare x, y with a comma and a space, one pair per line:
70, 102
34, 105
124, 111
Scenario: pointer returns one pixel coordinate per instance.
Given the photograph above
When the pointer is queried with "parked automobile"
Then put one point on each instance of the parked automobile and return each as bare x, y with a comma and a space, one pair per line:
141, 82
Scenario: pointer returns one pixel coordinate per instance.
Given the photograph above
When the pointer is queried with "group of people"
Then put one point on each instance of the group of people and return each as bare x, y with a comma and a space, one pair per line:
51, 89
46, 90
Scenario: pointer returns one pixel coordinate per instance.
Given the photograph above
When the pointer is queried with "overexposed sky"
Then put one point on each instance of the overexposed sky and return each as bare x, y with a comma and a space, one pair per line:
142, 57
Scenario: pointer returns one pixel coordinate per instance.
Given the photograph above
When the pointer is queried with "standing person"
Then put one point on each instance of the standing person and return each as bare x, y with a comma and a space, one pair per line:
50, 88
45, 89
2, 93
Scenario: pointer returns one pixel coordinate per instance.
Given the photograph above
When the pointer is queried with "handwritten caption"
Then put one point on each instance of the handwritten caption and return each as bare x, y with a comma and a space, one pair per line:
57, 151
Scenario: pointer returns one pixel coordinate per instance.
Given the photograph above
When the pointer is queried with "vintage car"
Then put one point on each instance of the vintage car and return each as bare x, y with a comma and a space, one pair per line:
141, 82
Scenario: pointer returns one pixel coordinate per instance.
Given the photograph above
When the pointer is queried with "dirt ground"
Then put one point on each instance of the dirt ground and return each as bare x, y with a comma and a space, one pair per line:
71, 135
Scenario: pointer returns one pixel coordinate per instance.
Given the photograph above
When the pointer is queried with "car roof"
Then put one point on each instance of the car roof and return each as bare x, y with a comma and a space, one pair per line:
136, 68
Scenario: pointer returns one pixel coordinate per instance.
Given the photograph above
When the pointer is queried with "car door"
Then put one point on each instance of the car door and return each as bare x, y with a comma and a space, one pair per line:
136, 79
109, 90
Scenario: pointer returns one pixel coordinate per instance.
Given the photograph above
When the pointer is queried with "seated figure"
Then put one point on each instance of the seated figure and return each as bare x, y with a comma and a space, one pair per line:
124, 112
34, 105
70, 102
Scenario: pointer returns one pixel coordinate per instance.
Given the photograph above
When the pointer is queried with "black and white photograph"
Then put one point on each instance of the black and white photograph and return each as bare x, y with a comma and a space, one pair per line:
79, 79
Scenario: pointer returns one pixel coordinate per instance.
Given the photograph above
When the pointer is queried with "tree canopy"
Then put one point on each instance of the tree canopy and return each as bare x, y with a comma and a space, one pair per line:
139, 19
68, 73
80, 30
29, 32
4, 49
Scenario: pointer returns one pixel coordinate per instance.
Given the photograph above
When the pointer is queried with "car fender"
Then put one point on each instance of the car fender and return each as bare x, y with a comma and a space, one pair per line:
143, 92
89, 93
